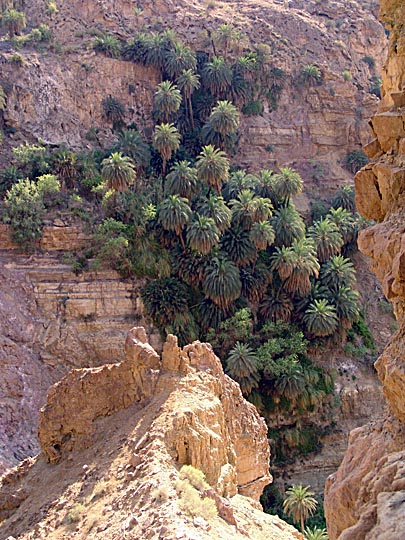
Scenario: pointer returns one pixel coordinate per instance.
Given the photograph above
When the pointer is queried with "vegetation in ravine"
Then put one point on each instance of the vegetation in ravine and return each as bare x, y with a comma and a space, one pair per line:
225, 254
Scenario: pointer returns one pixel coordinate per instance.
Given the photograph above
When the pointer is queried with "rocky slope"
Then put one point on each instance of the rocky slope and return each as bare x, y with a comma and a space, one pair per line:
56, 94
365, 498
156, 414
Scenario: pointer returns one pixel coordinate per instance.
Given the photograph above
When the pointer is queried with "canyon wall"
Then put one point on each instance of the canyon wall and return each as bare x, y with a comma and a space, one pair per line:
365, 498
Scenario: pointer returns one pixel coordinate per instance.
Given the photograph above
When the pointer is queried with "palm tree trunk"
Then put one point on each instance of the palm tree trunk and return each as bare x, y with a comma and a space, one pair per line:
190, 108
302, 524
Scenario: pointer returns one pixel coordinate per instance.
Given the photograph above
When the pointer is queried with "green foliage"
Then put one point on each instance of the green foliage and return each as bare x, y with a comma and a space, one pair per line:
24, 211
375, 86
31, 159
114, 111
14, 21
253, 108
242, 367
355, 160
315, 534
299, 504
310, 75
369, 60
213, 167
164, 299
194, 476
118, 172
166, 140
321, 318
347, 76
167, 101
108, 45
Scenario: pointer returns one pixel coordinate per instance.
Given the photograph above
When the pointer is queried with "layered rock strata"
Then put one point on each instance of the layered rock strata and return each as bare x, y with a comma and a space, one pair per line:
365, 498
114, 437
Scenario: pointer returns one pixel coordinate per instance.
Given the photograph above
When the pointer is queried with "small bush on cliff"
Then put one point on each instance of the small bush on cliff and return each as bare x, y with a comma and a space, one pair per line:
14, 21
24, 212
108, 45
355, 160
188, 487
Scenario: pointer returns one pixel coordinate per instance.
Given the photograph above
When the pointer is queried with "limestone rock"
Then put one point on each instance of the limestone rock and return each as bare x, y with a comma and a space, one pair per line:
365, 498
155, 418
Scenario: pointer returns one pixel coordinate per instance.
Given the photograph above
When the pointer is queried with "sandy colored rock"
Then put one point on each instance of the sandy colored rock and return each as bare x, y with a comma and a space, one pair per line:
365, 498
195, 415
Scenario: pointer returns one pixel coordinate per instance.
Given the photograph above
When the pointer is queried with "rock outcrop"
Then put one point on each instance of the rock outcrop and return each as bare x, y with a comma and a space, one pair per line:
116, 436
365, 498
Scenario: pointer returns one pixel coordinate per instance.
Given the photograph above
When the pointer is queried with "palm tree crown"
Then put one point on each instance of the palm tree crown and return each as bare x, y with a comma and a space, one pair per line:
167, 100
117, 171
242, 367
222, 282
174, 213
213, 167
217, 75
215, 208
327, 238
182, 179
287, 183
166, 139
179, 59
299, 504
321, 318
224, 118
202, 234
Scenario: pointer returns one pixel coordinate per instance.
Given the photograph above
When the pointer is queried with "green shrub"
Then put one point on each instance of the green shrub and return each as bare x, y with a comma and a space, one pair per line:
347, 75
24, 212
32, 159
375, 86
253, 108
75, 513
369, 60
355, 160
14, 21
108, 45
191, 482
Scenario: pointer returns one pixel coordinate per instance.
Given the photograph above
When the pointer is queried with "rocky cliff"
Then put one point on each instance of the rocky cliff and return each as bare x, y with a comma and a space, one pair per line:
365, 498
113, 439
56, 94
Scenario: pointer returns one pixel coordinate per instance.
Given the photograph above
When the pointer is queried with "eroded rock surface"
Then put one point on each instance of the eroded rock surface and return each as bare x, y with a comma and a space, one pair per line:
365, 498
116, 436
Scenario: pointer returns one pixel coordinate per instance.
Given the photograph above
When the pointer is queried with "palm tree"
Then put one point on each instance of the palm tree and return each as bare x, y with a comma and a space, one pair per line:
262, 209
114, 111
182, 179
213, 167
137, 49
227, 37
202, 234
288, 225
327, 238
221, 282
188, 82
241, 365
167, 100
344, 198
179, 59
166, 140
243, 209
132, 144
189, 265
299, 504
254, 282
156, 51
174, 214
238, 181
223, 120
345, 222
276, 305
315, 534
215, 208
117, 171
164, 299
265, 184
290, 382
217, 75
64, 164
346, 302
320, 318
304, 267
282, 260
310, 75
14, 21
286, 184
338, 272
109, 45
262, 234
238, 245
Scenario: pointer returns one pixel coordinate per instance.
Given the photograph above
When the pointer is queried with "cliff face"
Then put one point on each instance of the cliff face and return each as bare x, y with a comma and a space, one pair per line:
58, 96
365, 498
115, 437
50, 321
